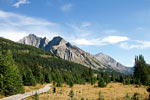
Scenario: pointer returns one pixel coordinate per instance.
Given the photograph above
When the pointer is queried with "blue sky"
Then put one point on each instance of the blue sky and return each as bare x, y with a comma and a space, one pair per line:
118, 28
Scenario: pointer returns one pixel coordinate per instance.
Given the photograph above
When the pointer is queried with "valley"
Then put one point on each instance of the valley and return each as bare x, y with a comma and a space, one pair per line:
32, 66
74, 49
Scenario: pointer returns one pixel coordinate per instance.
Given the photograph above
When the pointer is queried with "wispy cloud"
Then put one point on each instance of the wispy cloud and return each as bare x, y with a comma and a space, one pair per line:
140, 29
110, 31
66, 7
17, 4
85, 24
101, 41
135, 45
15, 26
81, 29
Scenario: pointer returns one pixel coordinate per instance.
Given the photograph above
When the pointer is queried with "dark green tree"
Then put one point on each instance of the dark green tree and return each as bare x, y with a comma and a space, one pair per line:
140, 70
29, 79
47, 76
59, 84
37, 72
101, 83
113, 77
71, 83
11, 81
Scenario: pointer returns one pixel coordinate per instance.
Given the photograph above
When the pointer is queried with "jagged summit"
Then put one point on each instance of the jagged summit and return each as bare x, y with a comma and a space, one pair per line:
32, 35
34, 40
58, 40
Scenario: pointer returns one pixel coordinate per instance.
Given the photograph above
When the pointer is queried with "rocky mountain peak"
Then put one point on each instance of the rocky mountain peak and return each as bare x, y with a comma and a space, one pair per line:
33, 40
58, 40
55, 42
31, 35
105, 58
109, 61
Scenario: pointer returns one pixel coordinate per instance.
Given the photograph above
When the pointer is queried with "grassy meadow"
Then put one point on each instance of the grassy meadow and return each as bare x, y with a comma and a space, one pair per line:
113, 91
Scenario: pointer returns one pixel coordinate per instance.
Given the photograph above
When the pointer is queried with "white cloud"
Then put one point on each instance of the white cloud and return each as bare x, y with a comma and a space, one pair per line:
14, 26
115, 39
136, 45
66, 7
101, 41
83, 42
17, 4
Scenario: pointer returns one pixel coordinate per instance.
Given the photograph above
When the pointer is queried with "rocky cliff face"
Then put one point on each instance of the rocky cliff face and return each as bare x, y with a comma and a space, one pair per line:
65, 50
109, 61
34, 41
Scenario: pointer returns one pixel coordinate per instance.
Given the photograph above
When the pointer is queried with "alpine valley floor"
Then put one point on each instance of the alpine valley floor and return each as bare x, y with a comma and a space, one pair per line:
113, 91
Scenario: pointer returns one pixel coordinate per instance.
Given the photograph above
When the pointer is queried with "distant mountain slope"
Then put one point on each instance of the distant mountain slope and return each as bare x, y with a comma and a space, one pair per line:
109, 61
65, 50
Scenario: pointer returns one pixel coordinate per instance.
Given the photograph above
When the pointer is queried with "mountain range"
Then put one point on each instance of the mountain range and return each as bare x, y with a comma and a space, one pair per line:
67, 51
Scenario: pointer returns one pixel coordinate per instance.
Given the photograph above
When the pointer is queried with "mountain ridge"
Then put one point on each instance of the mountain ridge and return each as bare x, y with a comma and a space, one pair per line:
67, 51
109, 61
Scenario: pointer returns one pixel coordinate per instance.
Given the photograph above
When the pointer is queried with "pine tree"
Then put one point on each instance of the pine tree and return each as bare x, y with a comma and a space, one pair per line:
112, 77
120, 78
47, 76
37, 72
29, 79
140, 70
11, 81
71, 83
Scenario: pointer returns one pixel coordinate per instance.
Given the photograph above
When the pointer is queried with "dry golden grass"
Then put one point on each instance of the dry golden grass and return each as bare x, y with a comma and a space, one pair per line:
113, 91
1, 96
32, 88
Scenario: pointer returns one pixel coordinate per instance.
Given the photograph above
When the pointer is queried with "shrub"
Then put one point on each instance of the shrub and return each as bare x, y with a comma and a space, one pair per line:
136, 96
36, 96
101, 83
127, 97
71, 94
82, 98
